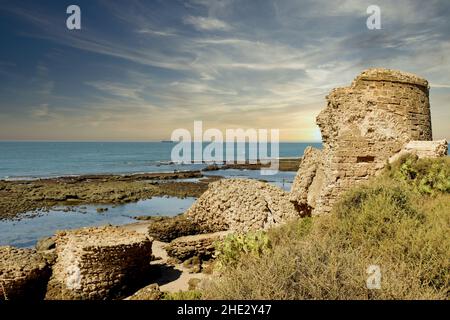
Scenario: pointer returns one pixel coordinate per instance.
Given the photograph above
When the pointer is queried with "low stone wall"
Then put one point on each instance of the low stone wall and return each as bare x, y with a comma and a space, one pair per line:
99, 263
23, 274
241, 205
201, 246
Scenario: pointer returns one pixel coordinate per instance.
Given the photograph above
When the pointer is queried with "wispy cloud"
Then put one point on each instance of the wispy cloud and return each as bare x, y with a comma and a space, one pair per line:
229, 63
157, 32
206, 23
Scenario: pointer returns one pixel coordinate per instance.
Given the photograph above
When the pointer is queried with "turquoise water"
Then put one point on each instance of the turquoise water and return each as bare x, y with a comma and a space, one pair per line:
26, 160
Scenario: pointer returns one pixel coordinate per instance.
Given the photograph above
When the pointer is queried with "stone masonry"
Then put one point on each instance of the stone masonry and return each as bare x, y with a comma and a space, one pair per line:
23, 274
362, 127
99, 263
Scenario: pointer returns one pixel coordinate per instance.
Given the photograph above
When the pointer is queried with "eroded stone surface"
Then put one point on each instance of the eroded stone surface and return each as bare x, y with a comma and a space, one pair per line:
423, 149
167, 229
241, 205
99, 263
23, 274
201, 246
362, 127
150, 292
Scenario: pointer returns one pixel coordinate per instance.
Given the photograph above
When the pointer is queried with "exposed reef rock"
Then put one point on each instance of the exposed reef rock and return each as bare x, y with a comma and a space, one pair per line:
99, 263
241, 205
23, 274
362, 127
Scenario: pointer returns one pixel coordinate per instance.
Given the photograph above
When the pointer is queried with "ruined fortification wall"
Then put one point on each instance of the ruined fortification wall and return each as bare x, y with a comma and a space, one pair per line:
98, 263
362, 126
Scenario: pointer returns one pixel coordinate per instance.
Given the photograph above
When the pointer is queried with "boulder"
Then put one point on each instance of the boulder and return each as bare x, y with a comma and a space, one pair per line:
241, 205
151, 292
44, 244
166, 229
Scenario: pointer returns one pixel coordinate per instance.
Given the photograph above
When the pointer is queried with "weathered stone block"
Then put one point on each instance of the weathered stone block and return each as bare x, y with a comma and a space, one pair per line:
99, 263
23, 274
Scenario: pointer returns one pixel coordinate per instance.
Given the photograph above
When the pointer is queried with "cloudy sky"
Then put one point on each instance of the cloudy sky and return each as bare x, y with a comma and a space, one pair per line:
140, 69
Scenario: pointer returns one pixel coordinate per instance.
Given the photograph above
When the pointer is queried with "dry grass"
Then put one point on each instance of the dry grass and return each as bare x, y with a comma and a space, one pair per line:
390, 222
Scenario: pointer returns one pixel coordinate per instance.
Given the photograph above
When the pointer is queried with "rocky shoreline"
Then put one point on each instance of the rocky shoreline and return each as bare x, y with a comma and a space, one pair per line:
17, 197
21, 196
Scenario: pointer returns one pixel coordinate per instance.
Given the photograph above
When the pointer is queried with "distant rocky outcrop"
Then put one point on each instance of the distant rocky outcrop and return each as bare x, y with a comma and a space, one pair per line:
362, 127
99, 263
23, 274
241, 205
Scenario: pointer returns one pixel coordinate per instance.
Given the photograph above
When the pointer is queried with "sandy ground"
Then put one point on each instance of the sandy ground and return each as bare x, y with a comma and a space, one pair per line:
173, 278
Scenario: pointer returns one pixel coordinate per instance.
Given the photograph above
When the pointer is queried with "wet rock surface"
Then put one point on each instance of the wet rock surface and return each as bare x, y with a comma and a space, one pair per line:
18, 197
286, 164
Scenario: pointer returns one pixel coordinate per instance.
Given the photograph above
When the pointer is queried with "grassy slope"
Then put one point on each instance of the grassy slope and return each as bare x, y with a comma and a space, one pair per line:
399, 221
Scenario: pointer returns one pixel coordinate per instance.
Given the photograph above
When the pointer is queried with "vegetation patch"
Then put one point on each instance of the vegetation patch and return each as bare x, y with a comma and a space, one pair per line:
398, 221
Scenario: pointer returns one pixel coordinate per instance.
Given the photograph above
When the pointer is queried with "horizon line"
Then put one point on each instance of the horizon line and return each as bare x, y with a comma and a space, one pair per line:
136, 141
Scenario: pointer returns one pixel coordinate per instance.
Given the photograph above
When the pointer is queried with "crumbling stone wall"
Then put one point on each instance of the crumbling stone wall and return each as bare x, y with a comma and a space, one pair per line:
362, 126
23, 274
241, 205
99, 263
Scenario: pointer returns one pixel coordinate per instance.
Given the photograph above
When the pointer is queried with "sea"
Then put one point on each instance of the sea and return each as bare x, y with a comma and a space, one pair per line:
31, 160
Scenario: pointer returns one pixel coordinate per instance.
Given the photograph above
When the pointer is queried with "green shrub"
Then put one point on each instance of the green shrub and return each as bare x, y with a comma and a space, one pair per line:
183, 295
233, 246
427, 176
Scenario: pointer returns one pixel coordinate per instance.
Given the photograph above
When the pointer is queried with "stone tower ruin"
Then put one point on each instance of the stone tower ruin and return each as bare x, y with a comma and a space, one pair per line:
362, 126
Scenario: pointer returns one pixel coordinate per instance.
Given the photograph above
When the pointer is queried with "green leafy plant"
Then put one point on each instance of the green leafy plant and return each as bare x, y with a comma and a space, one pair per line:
233, 246
426, 176
183, 295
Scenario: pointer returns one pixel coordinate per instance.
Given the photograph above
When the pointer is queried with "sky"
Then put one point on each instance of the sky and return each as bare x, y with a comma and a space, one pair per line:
137, 70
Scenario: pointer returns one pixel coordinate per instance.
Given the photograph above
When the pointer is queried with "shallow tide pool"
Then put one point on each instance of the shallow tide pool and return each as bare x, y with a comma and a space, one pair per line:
25, 233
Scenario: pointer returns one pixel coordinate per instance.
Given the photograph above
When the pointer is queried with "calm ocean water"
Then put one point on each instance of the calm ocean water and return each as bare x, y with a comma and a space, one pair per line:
20, 160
